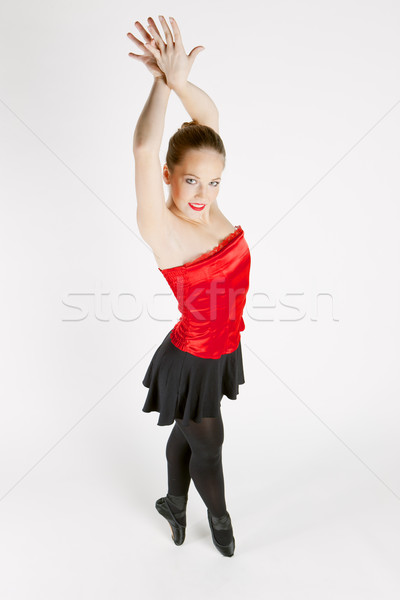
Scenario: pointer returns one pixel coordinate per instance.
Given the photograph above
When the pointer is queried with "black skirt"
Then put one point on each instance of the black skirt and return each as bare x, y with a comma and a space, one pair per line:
184, 386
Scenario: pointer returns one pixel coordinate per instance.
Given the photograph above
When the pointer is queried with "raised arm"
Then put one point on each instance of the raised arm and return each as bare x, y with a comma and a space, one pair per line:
170, 66
176, 64
198, 104
150, 125
151, 208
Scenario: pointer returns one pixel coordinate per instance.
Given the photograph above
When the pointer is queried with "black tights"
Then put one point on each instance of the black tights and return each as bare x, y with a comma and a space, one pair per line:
195, 452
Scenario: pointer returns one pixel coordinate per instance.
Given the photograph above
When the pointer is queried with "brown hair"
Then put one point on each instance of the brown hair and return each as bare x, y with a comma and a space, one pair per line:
192, 136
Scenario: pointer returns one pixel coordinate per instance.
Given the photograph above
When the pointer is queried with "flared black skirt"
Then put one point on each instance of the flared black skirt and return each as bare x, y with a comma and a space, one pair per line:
185, 386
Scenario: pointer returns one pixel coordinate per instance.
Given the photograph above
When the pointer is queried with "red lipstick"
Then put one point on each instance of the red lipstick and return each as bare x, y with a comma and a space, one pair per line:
197, 206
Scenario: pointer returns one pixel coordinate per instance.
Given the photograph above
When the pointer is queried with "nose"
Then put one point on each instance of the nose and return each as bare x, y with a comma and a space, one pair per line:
201, 195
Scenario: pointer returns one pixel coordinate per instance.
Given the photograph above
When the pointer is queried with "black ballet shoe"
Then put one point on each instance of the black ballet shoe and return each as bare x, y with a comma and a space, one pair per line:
178, 530
221, 523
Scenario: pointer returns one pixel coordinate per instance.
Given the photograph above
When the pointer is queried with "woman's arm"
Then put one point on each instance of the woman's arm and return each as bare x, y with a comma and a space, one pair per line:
198, 104
170, 66
173, 61
151, 208
150, 126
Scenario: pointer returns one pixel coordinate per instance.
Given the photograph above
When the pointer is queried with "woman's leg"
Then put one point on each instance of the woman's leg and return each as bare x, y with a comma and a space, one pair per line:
205, 440
178, 455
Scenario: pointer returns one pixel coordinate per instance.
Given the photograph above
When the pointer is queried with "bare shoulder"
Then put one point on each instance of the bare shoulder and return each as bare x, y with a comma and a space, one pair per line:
181, 241
165, 239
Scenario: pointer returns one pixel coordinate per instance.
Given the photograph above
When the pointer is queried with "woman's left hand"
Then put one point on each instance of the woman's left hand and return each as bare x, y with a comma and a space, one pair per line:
170, 55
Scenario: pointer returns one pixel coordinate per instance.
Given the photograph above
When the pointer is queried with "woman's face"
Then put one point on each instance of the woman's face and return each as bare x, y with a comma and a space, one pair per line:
195, 183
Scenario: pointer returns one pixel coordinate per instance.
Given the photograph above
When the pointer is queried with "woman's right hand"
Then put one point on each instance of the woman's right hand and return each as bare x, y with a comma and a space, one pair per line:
147, 58
170, 55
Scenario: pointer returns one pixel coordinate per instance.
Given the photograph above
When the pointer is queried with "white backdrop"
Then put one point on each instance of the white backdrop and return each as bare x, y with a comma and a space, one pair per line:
309, 100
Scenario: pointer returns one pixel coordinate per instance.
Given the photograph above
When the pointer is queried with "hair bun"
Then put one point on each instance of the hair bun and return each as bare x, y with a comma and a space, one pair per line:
189, 123
192, 135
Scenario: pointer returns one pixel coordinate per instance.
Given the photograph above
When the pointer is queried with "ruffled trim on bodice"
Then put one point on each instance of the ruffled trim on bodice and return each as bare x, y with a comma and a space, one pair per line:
225, 241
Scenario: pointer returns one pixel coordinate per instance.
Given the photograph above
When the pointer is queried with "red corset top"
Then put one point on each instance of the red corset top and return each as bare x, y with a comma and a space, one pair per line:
211, 292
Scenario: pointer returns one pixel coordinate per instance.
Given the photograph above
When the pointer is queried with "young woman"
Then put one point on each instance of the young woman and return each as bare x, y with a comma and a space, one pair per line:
206, 262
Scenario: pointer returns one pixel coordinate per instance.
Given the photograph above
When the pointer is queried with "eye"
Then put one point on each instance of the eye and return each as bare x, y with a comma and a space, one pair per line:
189, 179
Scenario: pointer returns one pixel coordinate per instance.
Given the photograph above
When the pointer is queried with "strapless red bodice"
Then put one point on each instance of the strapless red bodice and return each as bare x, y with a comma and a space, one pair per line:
211, 292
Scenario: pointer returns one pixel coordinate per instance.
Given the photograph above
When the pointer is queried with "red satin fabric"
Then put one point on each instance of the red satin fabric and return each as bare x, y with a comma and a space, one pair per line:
211, 292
